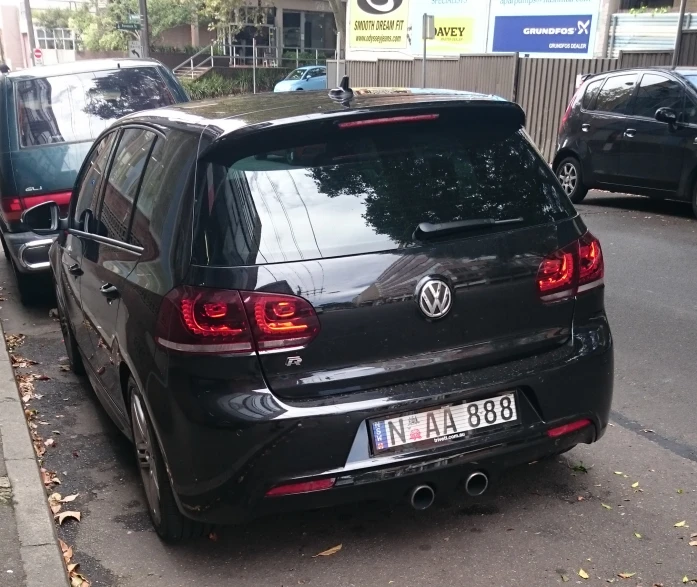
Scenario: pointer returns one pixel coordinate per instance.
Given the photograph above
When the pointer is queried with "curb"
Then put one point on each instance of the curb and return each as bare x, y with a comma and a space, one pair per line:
38, 544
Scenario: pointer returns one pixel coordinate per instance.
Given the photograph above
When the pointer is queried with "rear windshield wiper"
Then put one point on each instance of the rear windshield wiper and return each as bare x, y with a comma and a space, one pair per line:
427, 230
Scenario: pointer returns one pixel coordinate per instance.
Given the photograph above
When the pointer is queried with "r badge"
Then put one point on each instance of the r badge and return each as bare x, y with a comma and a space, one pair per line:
294, 361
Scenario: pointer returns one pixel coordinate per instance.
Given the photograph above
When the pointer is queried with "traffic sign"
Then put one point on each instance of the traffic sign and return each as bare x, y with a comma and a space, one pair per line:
38, 56
128, 26
135, 49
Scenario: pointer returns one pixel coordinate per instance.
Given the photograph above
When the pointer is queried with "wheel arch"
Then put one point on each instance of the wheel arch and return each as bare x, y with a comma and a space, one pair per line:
563, 154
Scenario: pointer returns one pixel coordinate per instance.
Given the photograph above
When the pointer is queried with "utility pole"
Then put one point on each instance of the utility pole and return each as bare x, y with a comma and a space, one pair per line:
144, 32
428, 31
30, 30
678, 35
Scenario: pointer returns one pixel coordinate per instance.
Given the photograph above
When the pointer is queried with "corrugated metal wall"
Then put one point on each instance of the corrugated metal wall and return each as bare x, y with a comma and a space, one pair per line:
543, 88
688, 48
645, 32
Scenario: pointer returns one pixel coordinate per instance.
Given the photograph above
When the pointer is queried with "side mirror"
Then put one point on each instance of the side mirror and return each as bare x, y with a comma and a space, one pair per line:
44, 218
667, 115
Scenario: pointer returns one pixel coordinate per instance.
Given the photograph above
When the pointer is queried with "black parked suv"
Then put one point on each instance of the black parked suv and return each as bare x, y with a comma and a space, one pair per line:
411, 306
631, 131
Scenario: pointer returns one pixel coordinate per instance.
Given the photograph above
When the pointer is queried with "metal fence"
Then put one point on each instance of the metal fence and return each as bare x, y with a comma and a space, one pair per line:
542, 86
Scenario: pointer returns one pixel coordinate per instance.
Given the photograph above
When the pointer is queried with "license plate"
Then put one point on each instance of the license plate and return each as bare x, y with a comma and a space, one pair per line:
445, 423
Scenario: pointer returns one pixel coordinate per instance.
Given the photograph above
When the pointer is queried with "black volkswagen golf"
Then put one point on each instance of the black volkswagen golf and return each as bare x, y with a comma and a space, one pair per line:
406, 306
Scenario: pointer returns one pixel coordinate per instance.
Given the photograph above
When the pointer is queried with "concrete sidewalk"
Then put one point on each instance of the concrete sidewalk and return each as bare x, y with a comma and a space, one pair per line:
29, 551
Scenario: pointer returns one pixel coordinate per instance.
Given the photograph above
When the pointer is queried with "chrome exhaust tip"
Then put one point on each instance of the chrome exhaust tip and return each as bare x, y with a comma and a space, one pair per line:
422, 497
476, 484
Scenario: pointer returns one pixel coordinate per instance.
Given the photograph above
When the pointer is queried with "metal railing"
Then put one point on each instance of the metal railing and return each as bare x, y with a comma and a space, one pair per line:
221, 53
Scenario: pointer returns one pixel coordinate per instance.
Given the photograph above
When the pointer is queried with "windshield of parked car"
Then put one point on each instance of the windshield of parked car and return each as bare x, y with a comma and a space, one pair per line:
367, 191
296, 74
77, 107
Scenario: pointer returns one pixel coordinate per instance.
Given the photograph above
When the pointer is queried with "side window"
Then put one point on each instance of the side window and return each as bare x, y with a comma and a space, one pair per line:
123, 182
591, 92
167, 173
94, 169
616, 94
690, 114
656, 91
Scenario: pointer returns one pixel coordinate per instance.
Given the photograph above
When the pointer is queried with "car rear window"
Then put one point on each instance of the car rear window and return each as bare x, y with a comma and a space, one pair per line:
77, 107
367, 191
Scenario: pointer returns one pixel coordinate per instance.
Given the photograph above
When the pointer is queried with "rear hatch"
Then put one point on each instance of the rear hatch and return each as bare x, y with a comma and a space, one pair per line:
58, 117
381, 227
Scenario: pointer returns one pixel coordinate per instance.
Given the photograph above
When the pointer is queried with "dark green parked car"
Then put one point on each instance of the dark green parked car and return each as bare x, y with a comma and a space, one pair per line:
49, 118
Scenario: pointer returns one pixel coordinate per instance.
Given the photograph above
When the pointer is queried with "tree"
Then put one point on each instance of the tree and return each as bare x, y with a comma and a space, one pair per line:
96, 27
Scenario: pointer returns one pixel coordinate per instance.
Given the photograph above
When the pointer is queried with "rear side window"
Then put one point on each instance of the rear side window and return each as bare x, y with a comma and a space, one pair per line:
616, 94
78, 107
367, 191
123, 182
592, 90
92, 178
654, 92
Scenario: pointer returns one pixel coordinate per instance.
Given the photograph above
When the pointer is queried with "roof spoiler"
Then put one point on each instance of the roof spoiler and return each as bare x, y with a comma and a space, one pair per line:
582, 78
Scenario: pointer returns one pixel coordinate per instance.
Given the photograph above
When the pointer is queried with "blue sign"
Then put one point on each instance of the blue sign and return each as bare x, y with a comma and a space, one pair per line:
543, 34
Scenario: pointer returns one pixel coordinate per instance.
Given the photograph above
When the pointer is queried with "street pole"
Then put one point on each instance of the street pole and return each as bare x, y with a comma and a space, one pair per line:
678, 35
424, 34
338, 58
144, 32
254, 65
30, 30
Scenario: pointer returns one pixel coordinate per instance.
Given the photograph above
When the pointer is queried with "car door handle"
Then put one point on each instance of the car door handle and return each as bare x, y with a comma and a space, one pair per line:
585, 127
109, 291
629, 133
75, 270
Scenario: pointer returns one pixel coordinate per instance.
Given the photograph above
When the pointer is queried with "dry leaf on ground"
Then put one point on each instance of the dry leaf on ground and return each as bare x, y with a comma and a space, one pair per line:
583, 574
14, 340
65, 515
20, 362
637, 534
635, 485
69, 498
680, 525
607, 507
329, 552
693, 543
626, 575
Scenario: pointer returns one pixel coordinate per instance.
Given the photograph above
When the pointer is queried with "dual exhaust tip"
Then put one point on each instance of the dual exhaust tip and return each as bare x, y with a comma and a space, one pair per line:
422, 497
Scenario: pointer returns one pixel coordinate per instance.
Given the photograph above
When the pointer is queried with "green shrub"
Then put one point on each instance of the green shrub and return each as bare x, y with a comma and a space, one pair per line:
214, 85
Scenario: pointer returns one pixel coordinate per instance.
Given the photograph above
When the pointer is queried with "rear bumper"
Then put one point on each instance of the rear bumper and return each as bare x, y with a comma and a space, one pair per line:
226, 448
29, 251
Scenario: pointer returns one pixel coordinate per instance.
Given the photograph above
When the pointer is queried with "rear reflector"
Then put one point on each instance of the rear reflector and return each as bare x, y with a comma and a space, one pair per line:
574, 269
568, 428
390, 120
201, 320
294, 488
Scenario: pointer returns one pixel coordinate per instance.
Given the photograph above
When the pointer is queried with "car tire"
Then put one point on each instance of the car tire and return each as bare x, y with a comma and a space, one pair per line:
169, 523
28, 286
569, 174
5, 250
71, 348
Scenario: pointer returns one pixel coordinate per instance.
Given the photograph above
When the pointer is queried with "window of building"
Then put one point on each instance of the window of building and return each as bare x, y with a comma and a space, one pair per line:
62, 39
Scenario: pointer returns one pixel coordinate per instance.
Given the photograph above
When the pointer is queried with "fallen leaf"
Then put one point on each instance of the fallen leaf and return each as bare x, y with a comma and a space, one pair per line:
694, 535
693, 543
679, 491
635, 485
619, 473
565, 579
65, 367
69, 498
679, 524
685, 579
626, 575
72, 567
64, 515
649, 431
329, 552
20, 362
583, 574
637, 534
49, 442
607, 507
14, 340
580, 498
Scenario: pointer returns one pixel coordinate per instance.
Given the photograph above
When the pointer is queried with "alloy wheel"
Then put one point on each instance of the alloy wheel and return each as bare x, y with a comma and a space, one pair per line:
146, 454
568, 177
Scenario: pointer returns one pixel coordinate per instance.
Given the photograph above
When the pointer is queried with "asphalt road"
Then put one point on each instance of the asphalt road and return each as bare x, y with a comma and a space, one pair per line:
529, 530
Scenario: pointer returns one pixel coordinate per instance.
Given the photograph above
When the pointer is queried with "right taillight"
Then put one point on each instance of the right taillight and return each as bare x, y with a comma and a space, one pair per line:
574, 269
202, 321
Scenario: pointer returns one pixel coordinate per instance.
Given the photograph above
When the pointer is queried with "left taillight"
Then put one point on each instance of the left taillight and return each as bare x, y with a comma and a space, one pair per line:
13, 207
574, 269
202, 320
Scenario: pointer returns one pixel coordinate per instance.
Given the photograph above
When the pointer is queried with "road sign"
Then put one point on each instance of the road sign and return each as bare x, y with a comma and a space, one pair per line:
38, 56
128, 26
134, 17
135, 49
